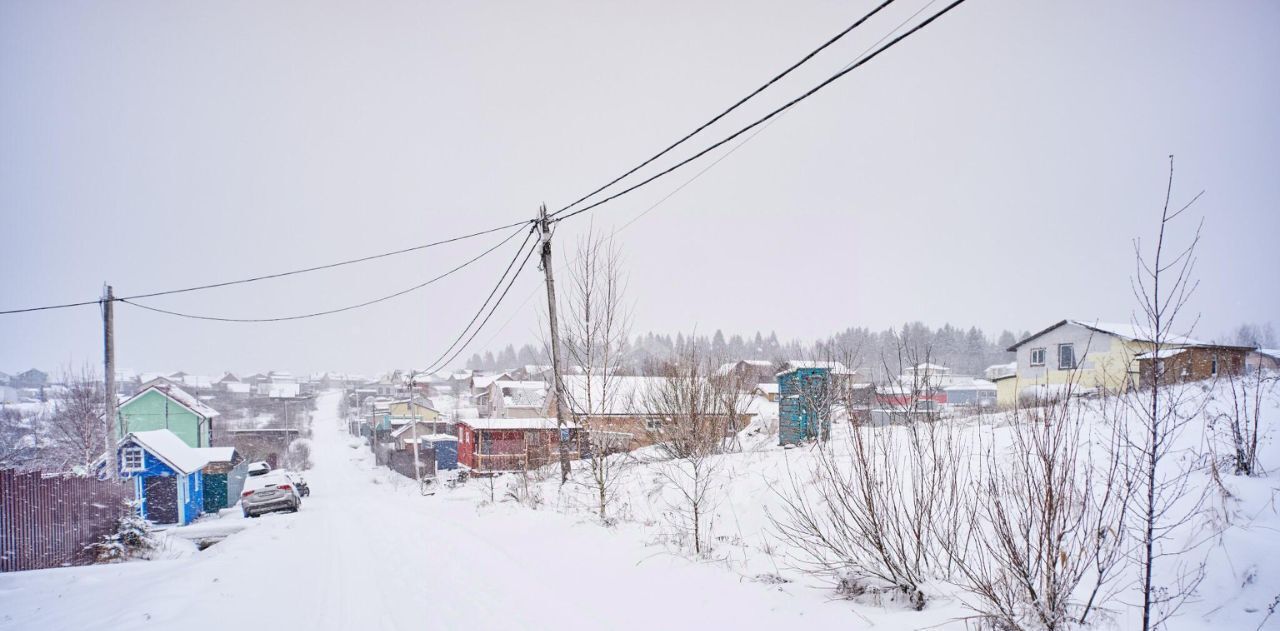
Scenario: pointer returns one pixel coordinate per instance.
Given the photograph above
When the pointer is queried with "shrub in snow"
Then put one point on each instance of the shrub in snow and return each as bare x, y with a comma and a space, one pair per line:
299, 454
132, 538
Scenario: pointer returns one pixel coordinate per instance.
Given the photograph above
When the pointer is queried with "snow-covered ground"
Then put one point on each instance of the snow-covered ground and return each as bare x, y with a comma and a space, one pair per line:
367, 552
1242, 557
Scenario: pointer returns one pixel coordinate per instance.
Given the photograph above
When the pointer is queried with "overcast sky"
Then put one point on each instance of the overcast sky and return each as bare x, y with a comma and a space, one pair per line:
991, 170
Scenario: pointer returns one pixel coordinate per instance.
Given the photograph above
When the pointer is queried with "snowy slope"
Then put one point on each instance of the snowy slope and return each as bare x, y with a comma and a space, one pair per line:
368, 552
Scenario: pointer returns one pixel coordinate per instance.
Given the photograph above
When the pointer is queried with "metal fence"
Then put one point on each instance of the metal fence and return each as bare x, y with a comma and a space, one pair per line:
48, 520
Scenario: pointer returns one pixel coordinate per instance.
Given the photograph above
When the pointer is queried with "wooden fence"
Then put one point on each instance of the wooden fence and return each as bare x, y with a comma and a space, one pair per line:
47, 520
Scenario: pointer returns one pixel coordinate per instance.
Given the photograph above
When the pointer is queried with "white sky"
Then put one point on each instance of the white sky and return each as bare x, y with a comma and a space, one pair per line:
990, 170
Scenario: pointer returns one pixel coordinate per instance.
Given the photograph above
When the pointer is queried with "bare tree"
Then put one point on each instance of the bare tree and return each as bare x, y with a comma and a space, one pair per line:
596, 324
873, 510
1163, 284
18, 439
691, 434
1045, 521
1237, 424
77, 425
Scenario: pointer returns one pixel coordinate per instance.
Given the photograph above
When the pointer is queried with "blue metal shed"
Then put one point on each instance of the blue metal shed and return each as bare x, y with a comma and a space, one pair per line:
804, 410
446, 448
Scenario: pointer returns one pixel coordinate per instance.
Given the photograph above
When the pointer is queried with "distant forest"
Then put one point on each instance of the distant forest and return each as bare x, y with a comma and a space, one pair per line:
965, 351
876, 354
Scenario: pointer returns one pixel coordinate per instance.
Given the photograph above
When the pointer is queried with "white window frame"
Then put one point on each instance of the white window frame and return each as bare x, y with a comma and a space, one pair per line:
1042, 356
126, 454
1074, 361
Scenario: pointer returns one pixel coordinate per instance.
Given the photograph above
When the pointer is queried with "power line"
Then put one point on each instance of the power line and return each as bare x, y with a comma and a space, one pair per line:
464, 346
484, 304
330, 311
770, 115
269, 276
731, 108
701, 172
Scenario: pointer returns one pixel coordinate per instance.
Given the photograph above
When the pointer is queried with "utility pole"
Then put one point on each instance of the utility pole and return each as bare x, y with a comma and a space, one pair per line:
109, 379
417, 468
557, 388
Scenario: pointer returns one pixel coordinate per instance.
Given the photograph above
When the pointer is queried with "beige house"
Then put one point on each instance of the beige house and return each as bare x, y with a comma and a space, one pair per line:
1087, 356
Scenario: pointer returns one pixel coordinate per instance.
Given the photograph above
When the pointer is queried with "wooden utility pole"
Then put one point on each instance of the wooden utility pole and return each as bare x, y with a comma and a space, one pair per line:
417, 467
109, 379
557, 388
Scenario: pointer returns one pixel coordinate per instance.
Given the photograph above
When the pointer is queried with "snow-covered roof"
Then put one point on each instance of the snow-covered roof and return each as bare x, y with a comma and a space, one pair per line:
1273, 353
926, 367
487, 380
218, 454
432, 438
179, 396
616, 395
1138, 333
406, 427
515, 423
972, 384
768, 388
728, 367
523, 385
836, 368
170, 449
1163, 354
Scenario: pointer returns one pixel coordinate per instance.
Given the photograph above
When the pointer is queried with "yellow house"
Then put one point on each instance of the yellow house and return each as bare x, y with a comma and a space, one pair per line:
1093, 355
405, 409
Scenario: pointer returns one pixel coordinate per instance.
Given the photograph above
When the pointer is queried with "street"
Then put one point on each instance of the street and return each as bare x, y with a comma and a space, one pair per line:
366, 555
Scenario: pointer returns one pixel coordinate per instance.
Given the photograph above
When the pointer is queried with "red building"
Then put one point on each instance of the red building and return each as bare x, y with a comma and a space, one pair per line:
493, 445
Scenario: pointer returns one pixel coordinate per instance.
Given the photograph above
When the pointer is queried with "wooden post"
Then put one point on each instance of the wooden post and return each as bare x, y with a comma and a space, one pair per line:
109, 379
557, 387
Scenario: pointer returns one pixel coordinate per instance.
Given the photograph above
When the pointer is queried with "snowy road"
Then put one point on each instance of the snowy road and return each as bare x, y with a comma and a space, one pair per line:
364, 555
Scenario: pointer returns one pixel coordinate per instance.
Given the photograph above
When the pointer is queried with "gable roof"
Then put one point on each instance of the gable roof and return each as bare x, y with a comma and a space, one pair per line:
408, 427
1131, 332
177, 395
170, 449
218, 454
729, 367
514, 423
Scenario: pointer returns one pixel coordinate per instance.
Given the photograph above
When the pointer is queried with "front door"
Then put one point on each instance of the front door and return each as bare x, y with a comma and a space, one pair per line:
161, 499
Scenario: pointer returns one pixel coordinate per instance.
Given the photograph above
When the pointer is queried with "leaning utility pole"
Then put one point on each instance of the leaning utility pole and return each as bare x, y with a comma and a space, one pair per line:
557, 388
109, 379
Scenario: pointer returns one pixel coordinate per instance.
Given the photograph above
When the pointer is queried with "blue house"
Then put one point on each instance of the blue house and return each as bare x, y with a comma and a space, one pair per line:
166, 475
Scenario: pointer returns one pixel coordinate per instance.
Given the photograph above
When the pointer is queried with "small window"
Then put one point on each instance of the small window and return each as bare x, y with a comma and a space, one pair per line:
131, 459
1037, 357
1213, 367
1066, 356
653, 424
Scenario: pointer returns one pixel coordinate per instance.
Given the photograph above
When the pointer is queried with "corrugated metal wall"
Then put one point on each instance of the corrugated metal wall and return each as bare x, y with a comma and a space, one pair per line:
46, 521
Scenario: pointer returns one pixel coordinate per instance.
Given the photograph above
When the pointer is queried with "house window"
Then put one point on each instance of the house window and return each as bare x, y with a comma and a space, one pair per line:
1066, 356
1037, 357
653, 424
131, 459
1213, 367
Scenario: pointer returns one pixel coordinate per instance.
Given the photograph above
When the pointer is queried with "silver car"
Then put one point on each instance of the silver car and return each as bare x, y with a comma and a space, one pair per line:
268, 493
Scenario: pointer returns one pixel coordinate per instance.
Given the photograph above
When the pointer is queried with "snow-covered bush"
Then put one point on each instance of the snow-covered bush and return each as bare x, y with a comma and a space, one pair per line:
132, 539
299, 454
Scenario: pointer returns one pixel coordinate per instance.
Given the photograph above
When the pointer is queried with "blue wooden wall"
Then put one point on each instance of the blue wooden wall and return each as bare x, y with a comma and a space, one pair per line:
798, 418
